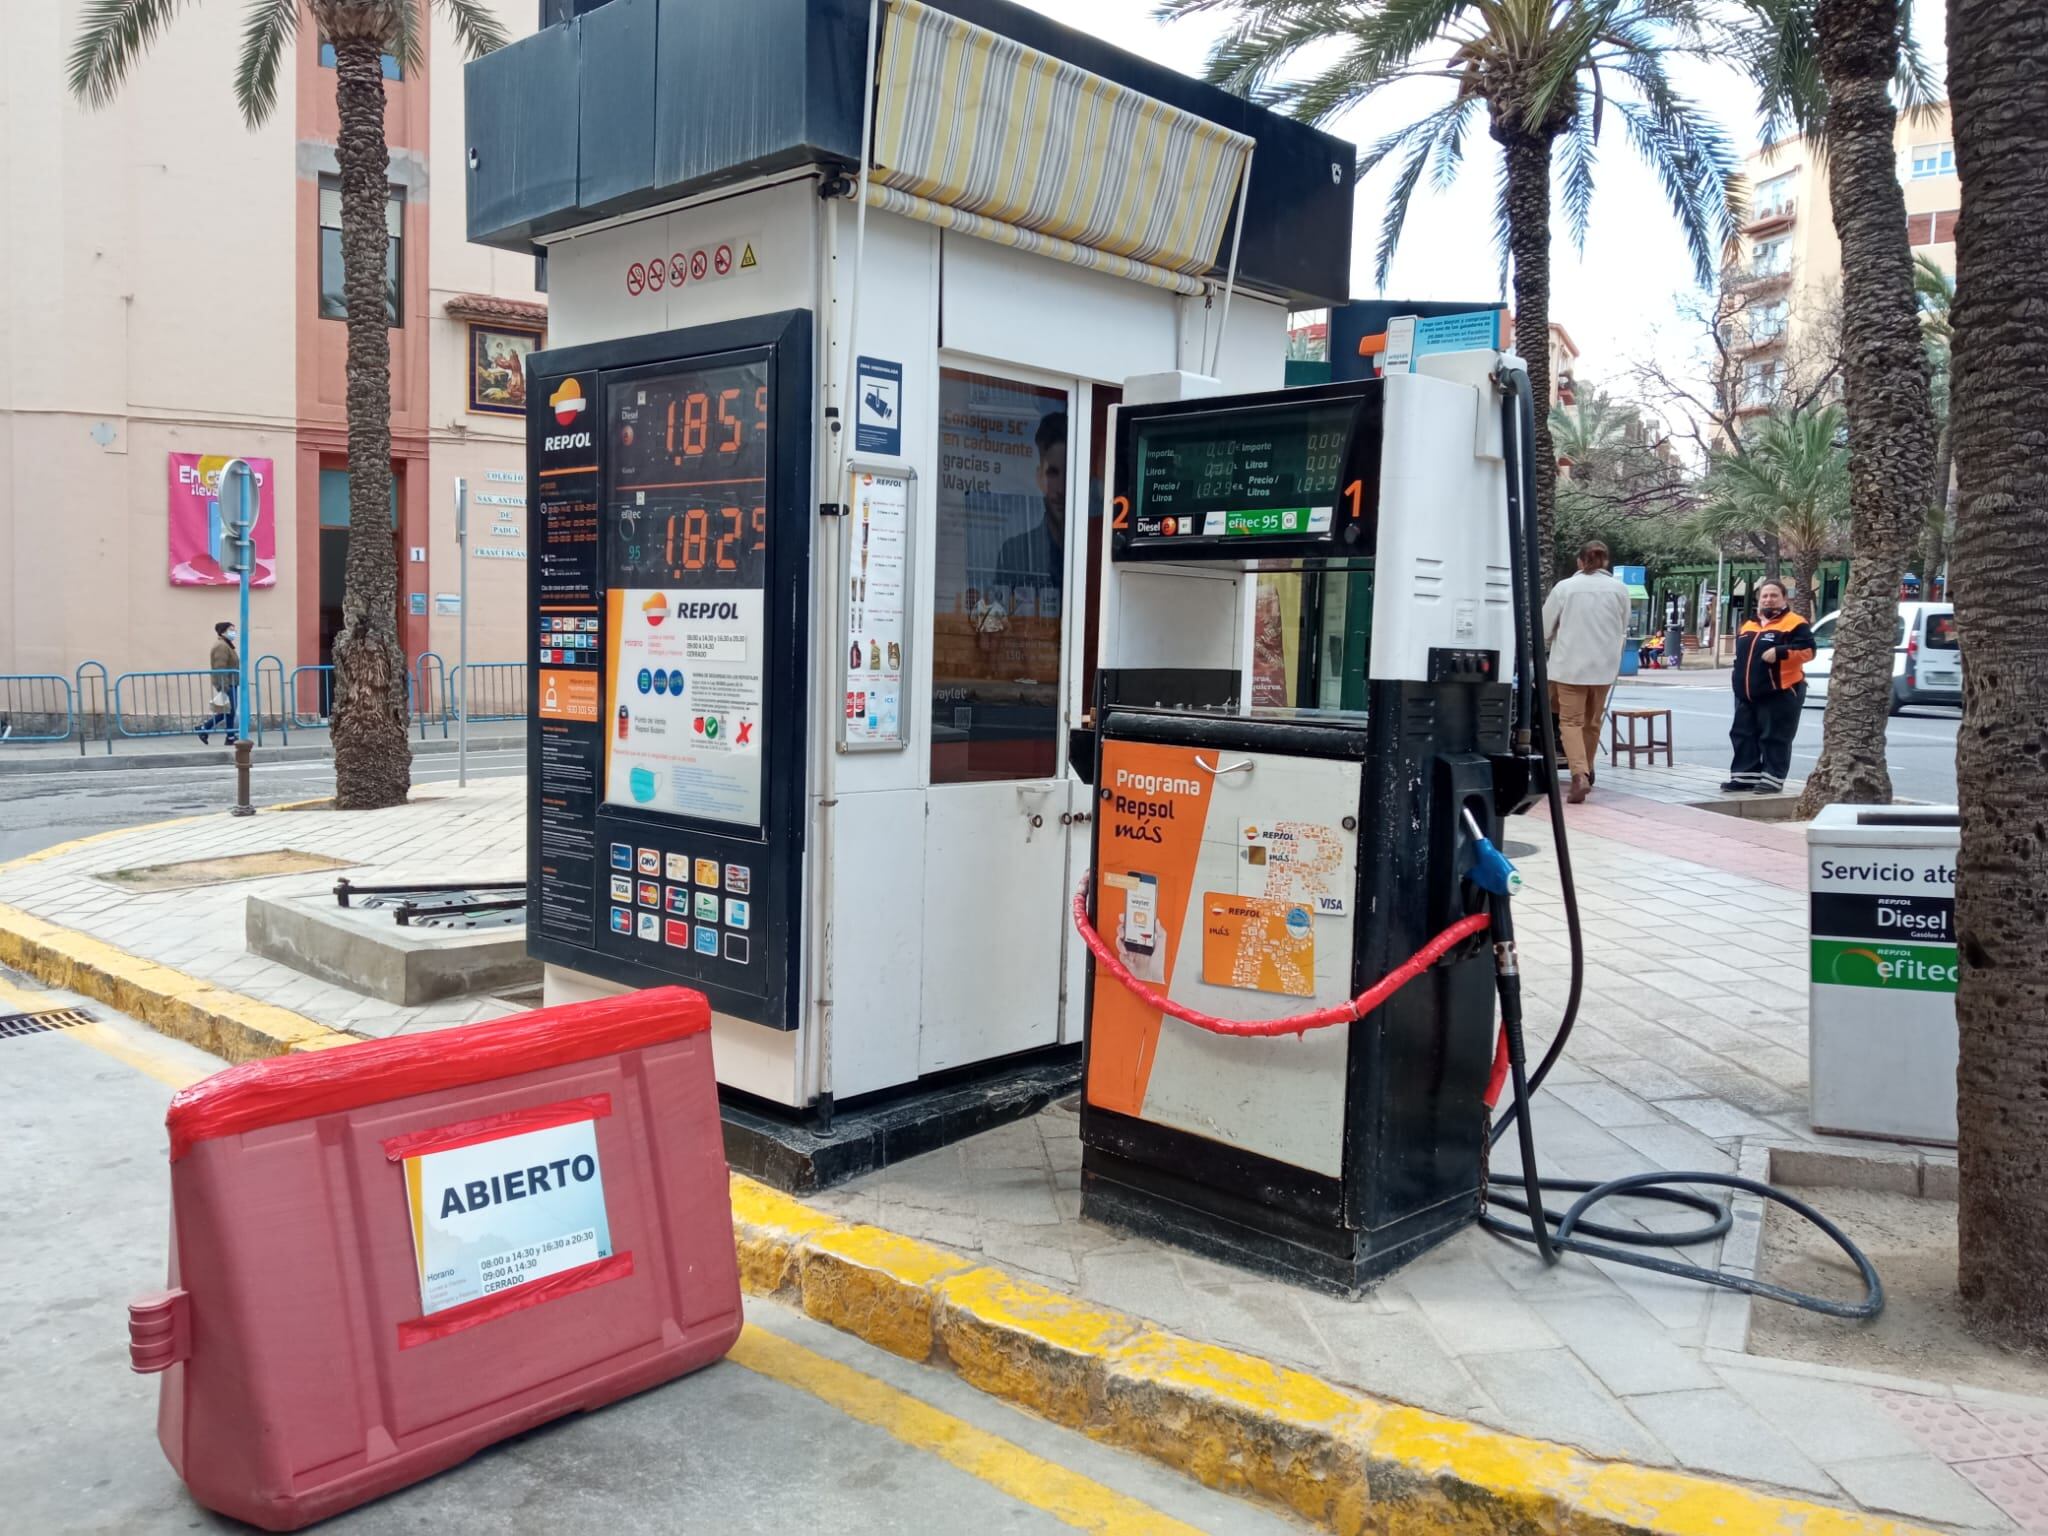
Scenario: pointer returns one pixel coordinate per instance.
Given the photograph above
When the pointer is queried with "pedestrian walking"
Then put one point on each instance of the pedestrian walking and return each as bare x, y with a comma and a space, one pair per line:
226, 664
1771, 653
1585, 626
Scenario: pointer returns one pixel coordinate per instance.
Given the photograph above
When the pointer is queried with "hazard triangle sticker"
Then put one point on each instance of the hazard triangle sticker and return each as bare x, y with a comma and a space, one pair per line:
747, 258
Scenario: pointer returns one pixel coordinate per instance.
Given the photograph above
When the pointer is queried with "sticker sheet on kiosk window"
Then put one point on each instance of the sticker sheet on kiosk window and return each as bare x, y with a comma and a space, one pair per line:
685, 696
495, 1214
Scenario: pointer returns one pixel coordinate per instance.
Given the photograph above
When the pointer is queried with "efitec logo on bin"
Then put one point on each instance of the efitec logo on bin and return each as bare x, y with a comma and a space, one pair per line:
1888, 967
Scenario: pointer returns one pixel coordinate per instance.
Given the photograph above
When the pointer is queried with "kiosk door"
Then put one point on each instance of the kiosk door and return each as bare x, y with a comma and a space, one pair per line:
996, 844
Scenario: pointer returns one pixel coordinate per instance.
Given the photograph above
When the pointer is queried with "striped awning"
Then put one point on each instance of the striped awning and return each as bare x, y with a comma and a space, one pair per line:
977, 133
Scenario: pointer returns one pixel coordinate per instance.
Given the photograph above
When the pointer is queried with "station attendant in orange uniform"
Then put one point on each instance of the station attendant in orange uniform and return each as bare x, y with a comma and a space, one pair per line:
1771, 653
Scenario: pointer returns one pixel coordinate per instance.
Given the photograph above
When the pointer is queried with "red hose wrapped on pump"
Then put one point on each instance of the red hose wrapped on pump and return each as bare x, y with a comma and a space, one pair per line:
1349, 1012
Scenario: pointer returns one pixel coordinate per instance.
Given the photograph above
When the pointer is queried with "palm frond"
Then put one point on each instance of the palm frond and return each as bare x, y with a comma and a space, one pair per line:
1450, 144
112, 35
476, 26
266, 32
1695, 163
406, 43
1577, 148
1421, 141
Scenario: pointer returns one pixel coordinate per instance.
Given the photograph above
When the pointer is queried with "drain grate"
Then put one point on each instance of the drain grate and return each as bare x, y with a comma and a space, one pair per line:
13, 1024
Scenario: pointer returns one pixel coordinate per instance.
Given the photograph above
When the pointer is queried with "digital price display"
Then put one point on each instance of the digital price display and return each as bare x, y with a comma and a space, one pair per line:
686, 511
1209, 478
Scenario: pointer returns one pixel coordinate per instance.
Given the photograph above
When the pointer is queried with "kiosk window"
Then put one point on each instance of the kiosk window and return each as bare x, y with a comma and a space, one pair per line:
686, 519
999, 589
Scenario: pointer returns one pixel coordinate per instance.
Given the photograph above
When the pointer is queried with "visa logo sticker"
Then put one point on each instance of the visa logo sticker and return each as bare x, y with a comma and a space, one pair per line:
1332, 906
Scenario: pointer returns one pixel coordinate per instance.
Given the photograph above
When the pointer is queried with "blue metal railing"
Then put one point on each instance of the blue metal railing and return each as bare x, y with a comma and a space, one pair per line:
36, 706
91, 705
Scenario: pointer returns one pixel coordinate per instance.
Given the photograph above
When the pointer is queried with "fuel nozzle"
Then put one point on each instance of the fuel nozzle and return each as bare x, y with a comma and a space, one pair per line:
1491, 869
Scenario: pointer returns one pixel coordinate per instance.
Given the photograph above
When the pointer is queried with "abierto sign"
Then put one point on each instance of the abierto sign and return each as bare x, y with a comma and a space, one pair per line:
506, 1210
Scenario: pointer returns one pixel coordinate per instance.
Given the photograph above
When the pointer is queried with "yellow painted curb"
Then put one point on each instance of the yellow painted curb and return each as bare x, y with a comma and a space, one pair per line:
187, 1008
1350, 1463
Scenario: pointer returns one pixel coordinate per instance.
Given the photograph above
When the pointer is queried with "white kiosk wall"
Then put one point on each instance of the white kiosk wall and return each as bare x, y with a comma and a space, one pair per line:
946, 941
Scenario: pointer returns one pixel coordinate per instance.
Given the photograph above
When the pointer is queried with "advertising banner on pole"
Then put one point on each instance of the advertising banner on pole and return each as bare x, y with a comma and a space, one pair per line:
196, 539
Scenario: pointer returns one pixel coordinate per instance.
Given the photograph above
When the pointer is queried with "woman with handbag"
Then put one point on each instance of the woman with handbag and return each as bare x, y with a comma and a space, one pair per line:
226, 664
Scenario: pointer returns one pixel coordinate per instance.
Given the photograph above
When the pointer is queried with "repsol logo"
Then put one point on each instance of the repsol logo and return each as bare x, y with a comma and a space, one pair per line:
556, 442
541, 1179
1156, 784
707, 610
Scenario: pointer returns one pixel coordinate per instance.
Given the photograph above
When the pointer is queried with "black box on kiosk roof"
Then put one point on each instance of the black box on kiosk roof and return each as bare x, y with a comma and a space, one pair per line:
1260, 865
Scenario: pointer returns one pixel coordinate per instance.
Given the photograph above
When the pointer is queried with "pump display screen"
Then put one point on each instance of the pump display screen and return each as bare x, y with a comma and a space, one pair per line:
1280, 476
685, 509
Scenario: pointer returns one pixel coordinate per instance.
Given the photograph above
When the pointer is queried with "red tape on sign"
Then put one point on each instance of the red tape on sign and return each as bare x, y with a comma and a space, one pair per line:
281, 1089
513, 1122
424, 1330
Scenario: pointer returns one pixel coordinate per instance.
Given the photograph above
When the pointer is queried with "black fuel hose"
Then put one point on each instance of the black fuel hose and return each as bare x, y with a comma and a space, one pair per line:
1523, 1193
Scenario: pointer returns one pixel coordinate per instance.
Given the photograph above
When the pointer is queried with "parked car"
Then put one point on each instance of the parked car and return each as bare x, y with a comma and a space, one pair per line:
1927, 666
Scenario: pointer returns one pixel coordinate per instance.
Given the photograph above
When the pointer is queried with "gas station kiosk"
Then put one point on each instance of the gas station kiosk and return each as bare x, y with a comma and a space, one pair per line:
818, 458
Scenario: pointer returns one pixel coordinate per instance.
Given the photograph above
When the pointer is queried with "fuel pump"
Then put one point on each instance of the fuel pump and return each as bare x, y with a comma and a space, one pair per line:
1299, 918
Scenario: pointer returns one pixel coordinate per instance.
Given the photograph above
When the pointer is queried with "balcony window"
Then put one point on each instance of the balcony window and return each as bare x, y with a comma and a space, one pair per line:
333, 298
1759, 384
1769, 258
1767, 321
1933, 160
1773, 197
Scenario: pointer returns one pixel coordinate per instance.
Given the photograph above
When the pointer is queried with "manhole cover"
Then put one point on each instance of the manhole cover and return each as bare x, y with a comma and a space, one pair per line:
224, 870
16, 1024
1520, 850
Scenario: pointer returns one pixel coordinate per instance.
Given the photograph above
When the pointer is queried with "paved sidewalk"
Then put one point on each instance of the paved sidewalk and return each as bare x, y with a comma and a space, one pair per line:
444, 833
1690, 1053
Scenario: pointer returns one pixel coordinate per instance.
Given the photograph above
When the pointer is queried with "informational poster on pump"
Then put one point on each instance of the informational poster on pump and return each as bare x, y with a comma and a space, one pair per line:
877, 583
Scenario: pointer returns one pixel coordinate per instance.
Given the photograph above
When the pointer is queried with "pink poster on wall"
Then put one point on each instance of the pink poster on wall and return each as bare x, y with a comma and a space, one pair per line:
195, 537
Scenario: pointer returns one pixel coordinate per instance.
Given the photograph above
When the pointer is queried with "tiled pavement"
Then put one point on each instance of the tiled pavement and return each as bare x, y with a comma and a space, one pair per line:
1691, 1043
444, 833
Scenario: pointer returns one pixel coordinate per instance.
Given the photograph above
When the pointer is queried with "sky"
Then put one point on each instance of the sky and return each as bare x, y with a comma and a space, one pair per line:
1618, 301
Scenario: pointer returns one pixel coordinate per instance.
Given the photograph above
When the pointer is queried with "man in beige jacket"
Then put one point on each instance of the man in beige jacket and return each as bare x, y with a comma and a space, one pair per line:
1585, 624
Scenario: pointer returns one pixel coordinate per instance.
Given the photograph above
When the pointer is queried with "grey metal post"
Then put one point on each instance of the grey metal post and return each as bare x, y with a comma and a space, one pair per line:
462, 632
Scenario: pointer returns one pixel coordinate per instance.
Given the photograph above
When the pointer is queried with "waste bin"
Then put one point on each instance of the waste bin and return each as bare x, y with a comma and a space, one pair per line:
1881, 994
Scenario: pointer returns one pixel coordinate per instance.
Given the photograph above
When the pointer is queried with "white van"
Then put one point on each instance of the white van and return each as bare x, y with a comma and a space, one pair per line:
1927, 666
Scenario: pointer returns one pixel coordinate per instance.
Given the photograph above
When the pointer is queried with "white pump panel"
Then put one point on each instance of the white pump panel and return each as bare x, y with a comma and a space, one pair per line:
1442, 576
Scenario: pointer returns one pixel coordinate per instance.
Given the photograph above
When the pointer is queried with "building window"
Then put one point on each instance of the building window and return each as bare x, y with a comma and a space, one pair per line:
1767, 321
393, 70
1933, 160
1771, 257
1760, 383
1773, 197
333, 299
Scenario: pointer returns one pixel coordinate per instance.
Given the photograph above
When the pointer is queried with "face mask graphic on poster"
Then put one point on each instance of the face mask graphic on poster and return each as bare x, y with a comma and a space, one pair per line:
688, 682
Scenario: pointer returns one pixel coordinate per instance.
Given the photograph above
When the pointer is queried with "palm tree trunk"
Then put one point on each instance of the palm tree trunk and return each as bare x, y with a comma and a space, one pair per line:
1998, 78
1889, 399
1938, 519
1528, 172
372, 756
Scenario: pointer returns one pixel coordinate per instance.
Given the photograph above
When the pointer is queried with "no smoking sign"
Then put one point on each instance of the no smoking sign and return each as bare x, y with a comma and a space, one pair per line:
736, 257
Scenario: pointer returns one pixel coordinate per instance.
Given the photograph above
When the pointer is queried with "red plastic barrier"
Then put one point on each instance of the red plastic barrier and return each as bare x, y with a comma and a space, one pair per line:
388, 1256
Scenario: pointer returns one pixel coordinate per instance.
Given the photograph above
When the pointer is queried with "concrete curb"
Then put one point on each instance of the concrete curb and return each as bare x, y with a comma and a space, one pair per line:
224, 757
215, 1019
184, 1007
1347, 1462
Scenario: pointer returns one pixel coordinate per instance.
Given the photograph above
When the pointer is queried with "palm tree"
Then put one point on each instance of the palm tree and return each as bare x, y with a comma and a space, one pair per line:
1998, 78
1828, 69
372, 757
1936, 291
1546, 76
1791, 483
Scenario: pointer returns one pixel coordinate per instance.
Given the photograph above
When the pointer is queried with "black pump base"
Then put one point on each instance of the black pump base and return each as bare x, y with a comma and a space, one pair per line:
1139, 1199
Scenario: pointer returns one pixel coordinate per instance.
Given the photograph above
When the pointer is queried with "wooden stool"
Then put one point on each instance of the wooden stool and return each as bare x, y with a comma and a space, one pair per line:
1655, 744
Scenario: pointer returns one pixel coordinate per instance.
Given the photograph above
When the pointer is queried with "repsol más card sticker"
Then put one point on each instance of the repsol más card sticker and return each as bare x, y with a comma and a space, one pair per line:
501, 1213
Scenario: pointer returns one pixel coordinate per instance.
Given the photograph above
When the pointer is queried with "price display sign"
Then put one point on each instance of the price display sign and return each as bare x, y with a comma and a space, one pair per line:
1291, 474
685, 503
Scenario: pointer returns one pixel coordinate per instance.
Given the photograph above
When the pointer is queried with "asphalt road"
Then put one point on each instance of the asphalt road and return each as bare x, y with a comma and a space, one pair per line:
38, 809
802, 1429
1920, 744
